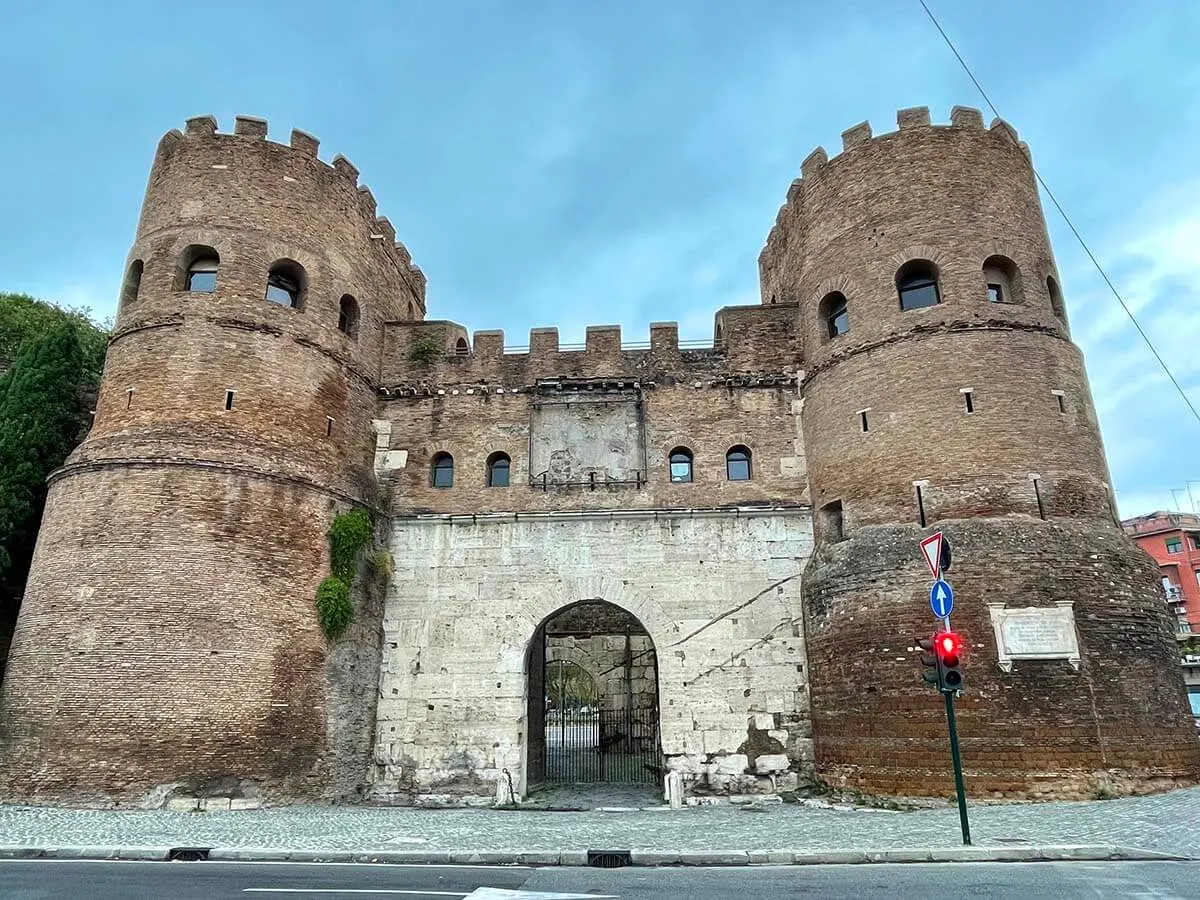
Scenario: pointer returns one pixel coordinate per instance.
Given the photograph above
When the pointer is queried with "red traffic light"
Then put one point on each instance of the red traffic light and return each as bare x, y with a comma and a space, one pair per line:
949, 647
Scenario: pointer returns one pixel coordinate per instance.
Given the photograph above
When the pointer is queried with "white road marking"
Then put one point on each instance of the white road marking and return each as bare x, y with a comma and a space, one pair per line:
267, 890
483, 893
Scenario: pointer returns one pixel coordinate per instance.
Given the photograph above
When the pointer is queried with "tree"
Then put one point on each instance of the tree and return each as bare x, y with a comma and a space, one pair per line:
23, 317
41, 419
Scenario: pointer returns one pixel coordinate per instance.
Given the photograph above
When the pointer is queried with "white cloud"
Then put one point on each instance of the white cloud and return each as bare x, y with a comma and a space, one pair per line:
1150, 433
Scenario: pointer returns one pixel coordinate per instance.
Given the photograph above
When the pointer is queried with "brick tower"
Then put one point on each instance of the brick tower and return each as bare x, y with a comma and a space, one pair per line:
941, 390
168, 631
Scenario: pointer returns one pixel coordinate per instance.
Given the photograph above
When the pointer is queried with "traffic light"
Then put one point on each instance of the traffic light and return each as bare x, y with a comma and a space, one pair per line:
929, 660
949, 645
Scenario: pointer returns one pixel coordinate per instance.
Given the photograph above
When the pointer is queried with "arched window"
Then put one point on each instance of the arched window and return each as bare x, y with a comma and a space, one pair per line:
348, 316
1003, 280
498, 466
198, 270
1056, 300
737, 463
286, 283
917, 284
681, 464
833, 313
461, 347
133, 283
443, 471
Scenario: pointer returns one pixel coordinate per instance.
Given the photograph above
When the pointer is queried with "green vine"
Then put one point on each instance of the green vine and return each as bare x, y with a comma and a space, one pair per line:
335, 612
348, 534
424, 350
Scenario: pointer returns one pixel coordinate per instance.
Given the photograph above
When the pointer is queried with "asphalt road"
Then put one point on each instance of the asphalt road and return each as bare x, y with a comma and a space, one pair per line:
33, 880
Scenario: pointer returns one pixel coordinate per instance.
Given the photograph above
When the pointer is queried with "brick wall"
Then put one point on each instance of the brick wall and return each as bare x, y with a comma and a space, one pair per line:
185, 538
885, 415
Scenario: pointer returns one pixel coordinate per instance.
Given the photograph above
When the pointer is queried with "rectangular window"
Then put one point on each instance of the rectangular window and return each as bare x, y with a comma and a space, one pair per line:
328, 426
1174, 545
995, 293
1195, 541
969, 399
229, 399
129, 398
1037, 492
1062, 400
862, 419
920, 506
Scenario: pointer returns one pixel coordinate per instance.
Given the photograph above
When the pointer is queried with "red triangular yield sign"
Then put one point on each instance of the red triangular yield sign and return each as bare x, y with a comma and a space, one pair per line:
931, 549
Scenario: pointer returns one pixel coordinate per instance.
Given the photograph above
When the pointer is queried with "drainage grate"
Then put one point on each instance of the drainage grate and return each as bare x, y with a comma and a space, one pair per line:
609, 859
188, 854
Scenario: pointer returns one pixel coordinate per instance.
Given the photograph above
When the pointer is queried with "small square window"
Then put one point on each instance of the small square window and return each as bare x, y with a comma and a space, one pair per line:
995, 293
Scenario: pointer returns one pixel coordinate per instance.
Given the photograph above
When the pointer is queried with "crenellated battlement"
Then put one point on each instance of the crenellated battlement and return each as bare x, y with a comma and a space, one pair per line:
745, 339
818, 164
302, 148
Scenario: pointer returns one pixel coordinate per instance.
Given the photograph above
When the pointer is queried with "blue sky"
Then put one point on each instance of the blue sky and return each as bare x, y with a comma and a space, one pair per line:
566, 163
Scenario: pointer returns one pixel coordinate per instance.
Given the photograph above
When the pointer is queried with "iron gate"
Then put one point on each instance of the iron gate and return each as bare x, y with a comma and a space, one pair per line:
592, 745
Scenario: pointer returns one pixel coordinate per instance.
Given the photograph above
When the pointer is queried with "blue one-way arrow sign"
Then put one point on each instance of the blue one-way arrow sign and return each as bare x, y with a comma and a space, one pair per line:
941, 599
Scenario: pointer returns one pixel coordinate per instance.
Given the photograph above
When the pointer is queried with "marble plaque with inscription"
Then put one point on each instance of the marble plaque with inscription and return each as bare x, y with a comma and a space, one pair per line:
1035, 632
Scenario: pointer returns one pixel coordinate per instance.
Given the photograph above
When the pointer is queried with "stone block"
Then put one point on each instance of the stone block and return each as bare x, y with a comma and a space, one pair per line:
245, 803
182, 804
771, 762
216, 804
763, 721
733, 764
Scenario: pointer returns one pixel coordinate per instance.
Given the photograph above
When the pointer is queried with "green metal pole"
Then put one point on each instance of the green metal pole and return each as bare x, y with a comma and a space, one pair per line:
958, 776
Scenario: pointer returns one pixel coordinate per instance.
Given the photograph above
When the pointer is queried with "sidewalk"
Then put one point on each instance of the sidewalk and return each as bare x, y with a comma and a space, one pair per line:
1163, 824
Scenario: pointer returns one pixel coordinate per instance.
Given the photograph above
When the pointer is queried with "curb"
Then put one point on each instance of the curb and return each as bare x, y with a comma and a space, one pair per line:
637, 858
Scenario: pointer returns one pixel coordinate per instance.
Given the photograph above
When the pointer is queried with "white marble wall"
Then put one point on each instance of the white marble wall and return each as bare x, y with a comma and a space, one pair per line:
718, 591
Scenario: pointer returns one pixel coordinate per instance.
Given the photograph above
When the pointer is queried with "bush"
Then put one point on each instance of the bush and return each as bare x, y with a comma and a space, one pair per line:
382, 563
348, 534
334, 610
424, 350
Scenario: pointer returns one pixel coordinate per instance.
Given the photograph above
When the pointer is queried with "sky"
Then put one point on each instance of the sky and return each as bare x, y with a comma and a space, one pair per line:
562, 162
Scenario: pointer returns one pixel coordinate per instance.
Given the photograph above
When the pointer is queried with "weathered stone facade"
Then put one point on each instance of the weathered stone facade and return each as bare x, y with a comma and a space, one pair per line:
168, 642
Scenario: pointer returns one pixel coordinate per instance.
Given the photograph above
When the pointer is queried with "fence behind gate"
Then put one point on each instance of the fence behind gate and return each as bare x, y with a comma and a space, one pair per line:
620, 745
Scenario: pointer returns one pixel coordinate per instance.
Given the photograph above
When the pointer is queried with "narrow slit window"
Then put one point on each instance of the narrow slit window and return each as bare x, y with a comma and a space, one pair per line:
129, 399
1037, 493
1062, 401
920, 506
862, 420
969, 400
229, 400
328, 426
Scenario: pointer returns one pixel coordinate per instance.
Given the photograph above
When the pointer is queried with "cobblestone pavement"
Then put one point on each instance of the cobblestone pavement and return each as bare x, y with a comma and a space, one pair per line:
1167, 823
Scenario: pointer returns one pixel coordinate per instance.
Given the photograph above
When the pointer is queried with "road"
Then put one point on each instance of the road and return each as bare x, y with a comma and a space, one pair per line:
37, 880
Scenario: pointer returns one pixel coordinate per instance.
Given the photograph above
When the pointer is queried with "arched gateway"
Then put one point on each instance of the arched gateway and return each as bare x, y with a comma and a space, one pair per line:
592, 714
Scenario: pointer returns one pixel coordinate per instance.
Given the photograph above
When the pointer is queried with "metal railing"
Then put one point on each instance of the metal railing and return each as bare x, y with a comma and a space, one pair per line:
615, 745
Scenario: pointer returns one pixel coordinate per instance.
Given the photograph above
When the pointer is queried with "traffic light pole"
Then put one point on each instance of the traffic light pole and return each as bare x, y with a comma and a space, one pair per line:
958, 775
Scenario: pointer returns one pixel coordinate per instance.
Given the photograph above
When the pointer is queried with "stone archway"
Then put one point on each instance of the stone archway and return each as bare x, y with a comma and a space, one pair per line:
616, 739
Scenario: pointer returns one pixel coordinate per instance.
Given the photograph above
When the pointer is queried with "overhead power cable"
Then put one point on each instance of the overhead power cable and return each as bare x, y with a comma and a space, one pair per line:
1062, 212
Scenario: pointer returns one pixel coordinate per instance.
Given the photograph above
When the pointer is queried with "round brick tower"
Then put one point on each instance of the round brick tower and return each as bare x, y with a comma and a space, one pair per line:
942, 392
168, 633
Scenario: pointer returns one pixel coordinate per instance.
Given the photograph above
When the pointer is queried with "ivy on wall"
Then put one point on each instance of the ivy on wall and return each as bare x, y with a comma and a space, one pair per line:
348, 534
